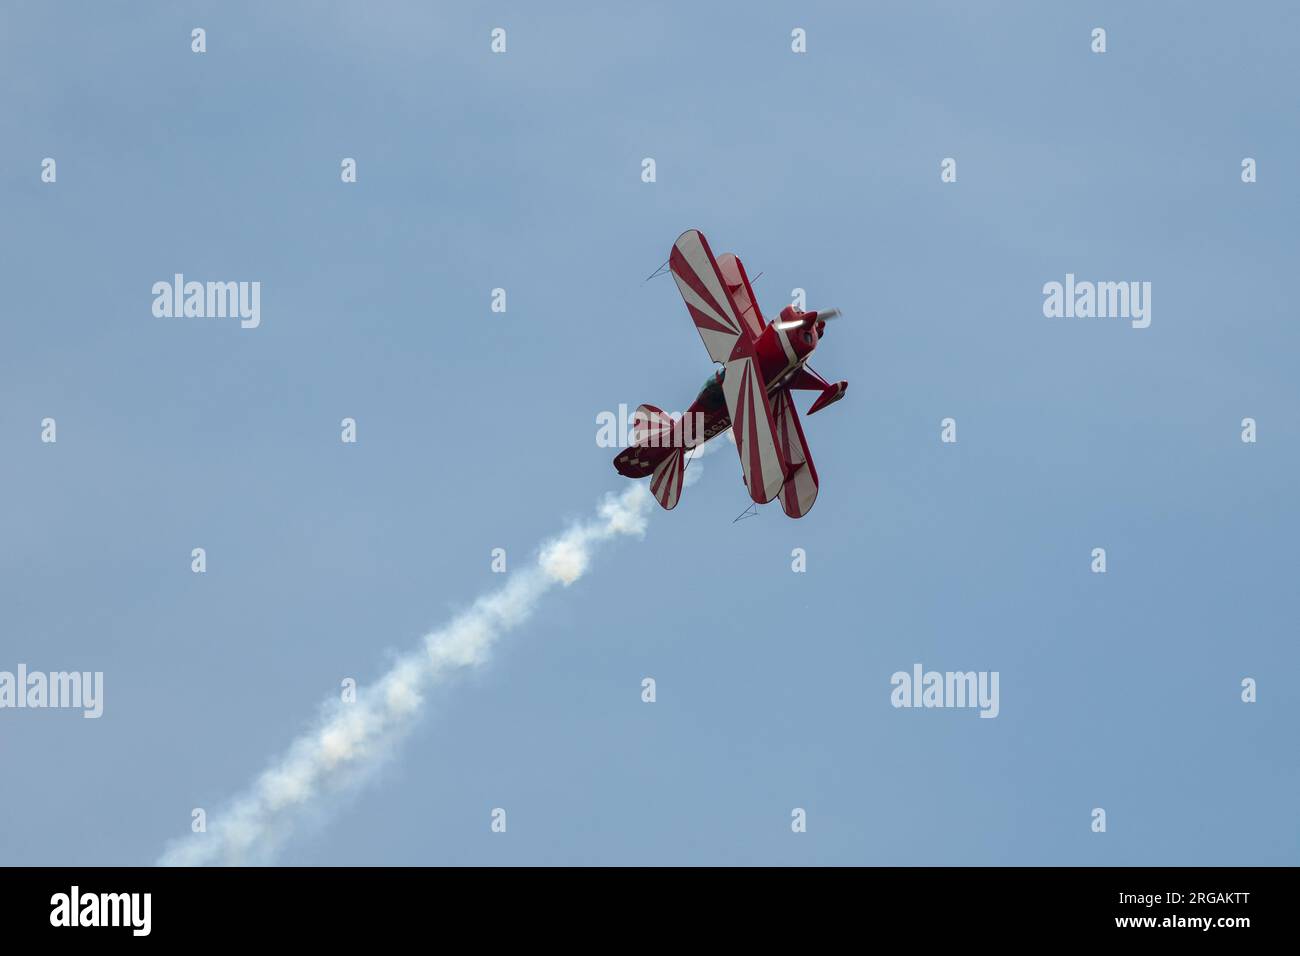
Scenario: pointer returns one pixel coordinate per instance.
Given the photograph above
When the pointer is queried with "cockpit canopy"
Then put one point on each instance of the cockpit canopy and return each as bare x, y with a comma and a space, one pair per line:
711, 394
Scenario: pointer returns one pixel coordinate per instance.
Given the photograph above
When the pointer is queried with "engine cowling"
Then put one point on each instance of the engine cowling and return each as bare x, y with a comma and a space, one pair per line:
781, 350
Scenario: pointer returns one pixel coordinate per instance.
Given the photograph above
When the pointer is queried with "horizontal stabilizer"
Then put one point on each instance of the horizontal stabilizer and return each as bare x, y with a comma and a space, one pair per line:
668, 479
654, 435
652, 427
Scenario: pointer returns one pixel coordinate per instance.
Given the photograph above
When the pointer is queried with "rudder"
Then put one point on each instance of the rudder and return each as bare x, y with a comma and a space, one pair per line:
653, 437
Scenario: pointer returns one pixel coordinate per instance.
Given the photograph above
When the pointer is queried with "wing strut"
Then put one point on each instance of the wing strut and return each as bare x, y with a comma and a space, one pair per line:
662, 270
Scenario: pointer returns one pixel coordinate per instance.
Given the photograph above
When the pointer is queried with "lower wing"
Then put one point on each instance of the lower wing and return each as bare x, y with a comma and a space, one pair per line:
800, 488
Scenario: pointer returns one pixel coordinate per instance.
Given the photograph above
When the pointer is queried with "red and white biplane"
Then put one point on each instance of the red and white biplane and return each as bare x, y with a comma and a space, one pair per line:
761, 364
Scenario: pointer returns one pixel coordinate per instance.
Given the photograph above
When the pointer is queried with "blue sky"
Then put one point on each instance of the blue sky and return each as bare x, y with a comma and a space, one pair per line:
477, 430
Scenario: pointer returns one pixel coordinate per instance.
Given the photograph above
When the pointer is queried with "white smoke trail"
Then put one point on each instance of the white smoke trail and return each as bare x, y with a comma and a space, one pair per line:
352, 738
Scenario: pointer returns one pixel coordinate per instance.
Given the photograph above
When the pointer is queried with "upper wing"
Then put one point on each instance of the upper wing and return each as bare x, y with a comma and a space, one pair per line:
742, 296
729, 339
706, 296
753, 425
800, 488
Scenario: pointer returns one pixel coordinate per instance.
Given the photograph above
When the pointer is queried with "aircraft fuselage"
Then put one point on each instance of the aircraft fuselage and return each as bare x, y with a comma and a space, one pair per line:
781, 353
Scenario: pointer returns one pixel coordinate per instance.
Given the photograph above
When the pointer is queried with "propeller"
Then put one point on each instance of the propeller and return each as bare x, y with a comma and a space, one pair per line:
824, 316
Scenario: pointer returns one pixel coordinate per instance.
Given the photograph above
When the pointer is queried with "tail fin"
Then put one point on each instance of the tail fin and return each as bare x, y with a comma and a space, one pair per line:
657, 450
653, 437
